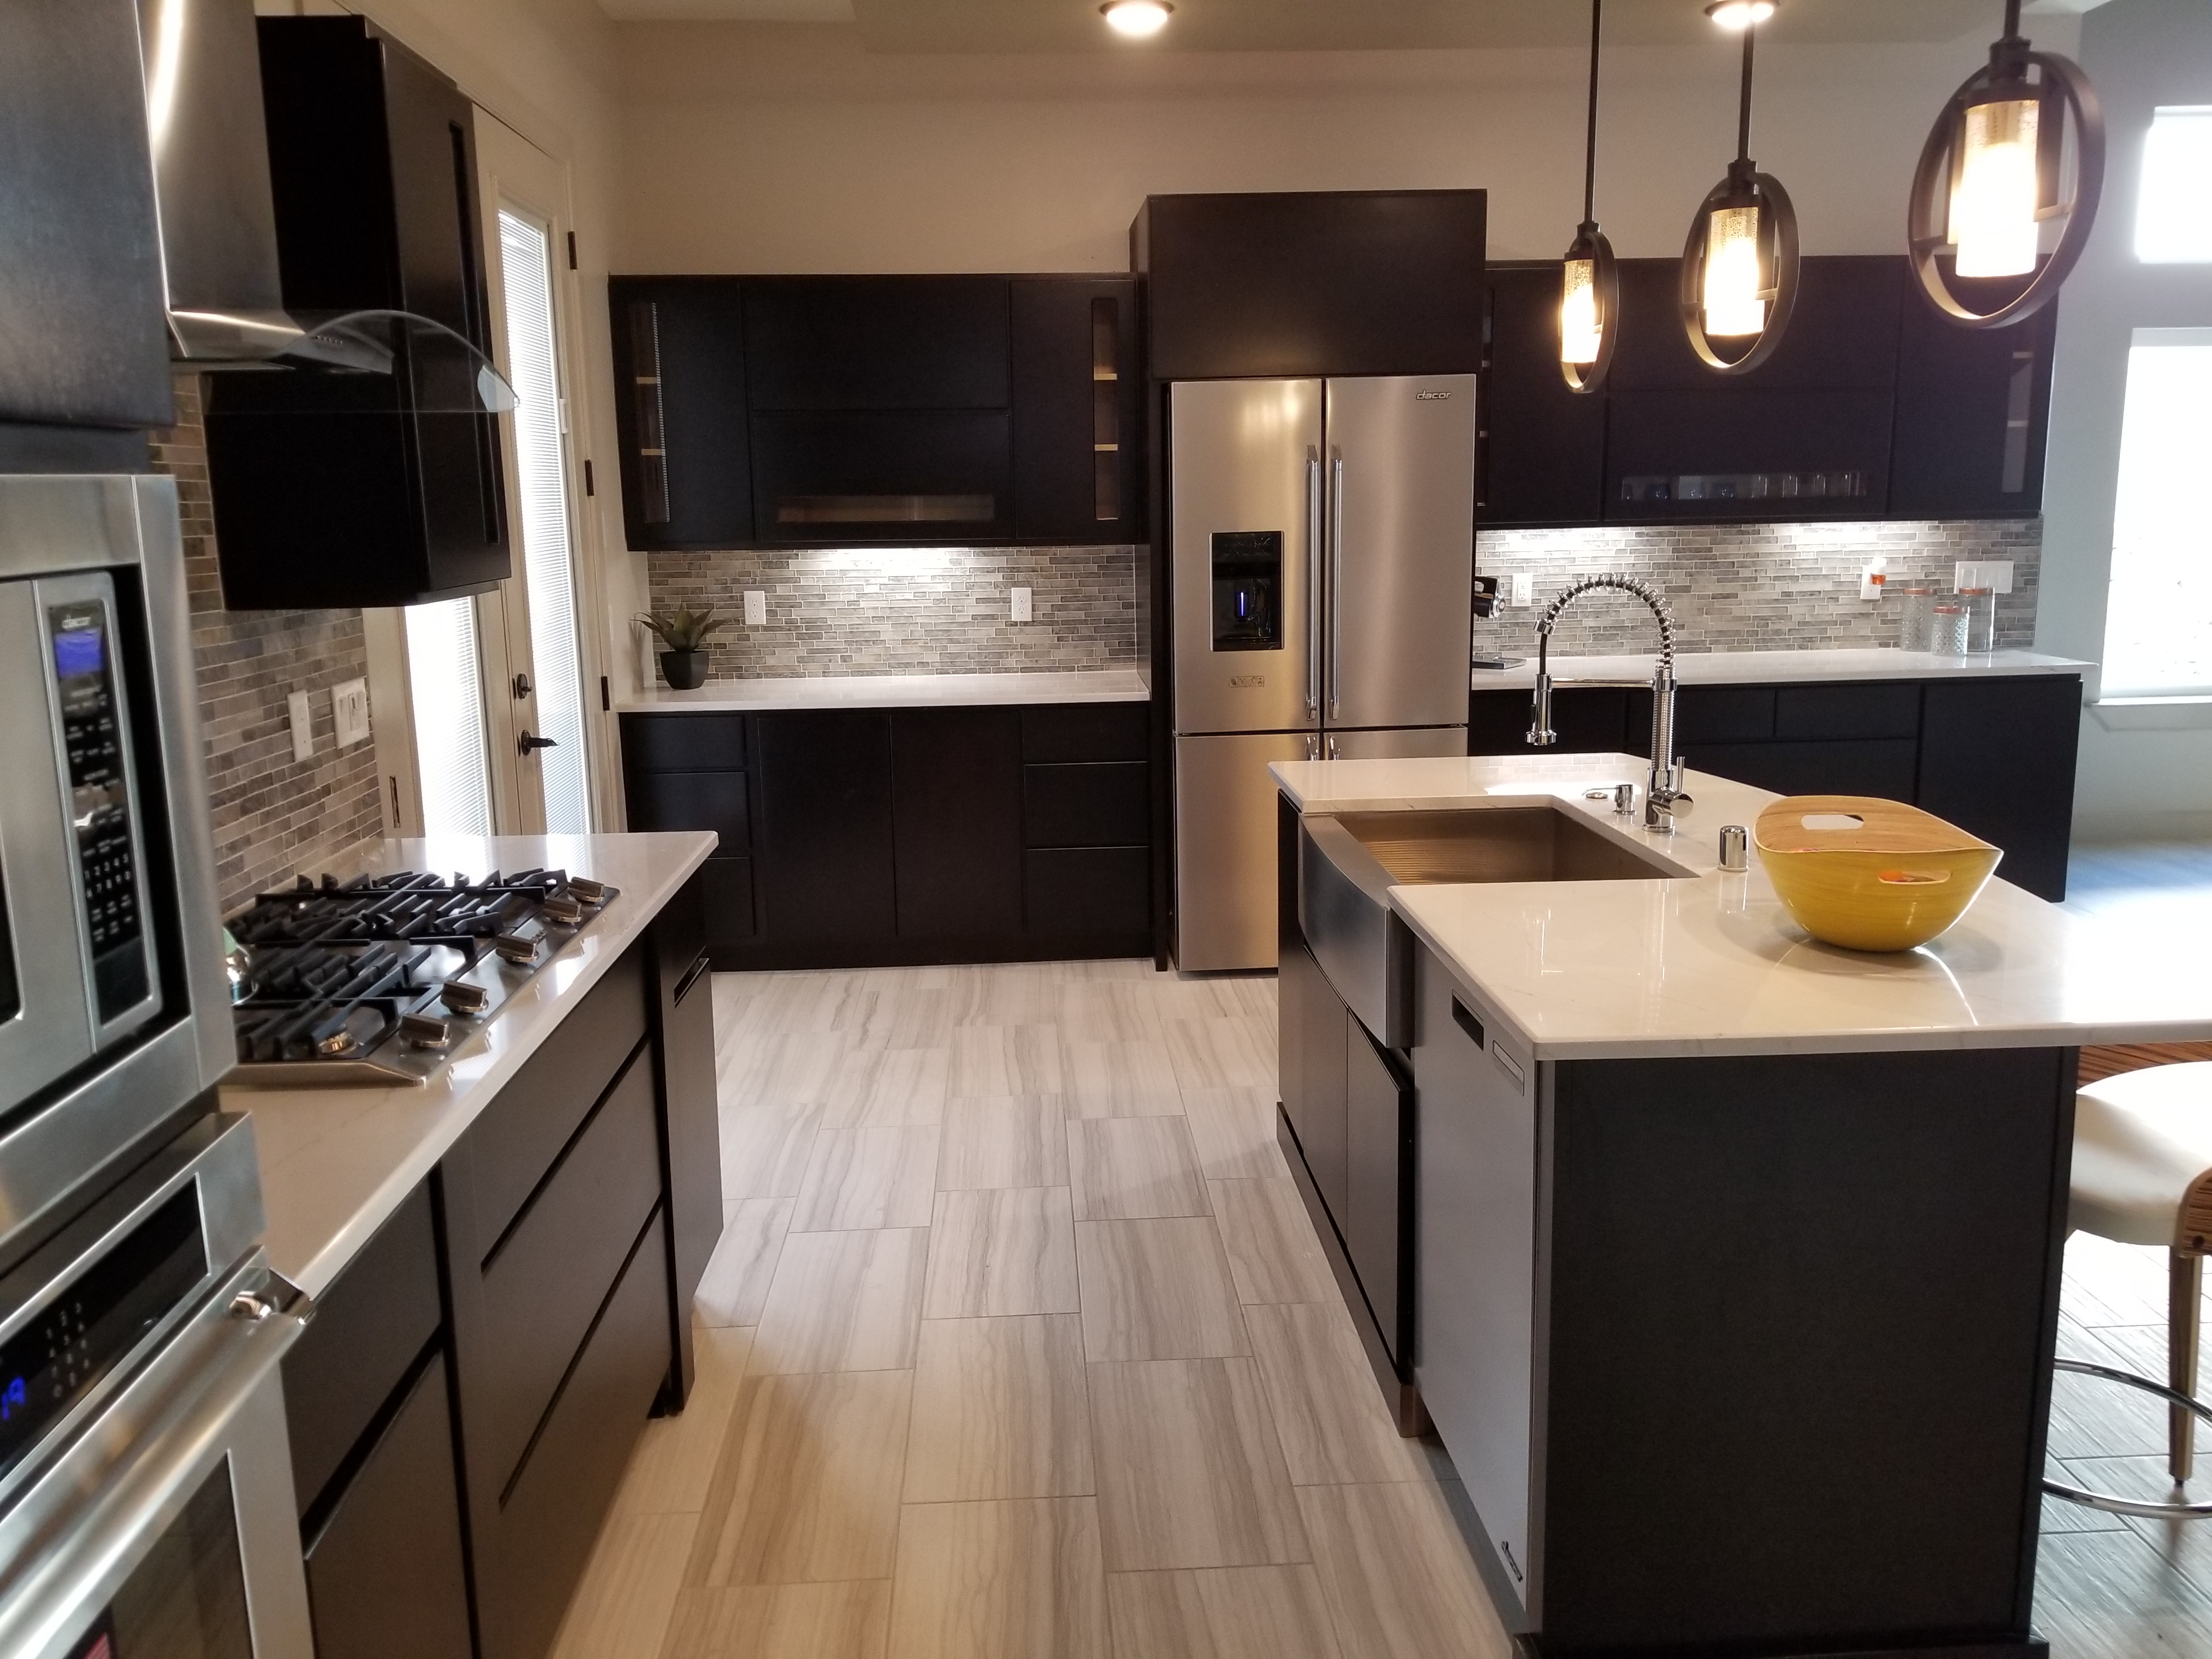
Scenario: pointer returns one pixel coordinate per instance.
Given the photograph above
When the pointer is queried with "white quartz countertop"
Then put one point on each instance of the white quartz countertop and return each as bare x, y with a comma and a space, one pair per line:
1710, 963
337, 1162
1772, 667
891, 692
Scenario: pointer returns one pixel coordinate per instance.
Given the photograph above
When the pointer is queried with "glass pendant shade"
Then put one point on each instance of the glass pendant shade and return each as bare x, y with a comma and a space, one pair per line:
1732, 302
1993, 209
1581, 330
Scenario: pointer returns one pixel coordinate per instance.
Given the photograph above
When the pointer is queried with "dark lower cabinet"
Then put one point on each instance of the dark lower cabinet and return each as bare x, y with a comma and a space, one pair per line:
385, 1572
956, 798
690, 1141
874, 837
1313, 1040
824, 874
1378, 1175
1994, 755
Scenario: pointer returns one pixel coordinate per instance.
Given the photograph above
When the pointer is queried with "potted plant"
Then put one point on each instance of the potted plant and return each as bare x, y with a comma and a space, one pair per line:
682, 636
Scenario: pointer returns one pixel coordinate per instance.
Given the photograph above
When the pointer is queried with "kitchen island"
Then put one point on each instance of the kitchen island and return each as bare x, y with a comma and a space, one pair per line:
1726, 1263
503, 1259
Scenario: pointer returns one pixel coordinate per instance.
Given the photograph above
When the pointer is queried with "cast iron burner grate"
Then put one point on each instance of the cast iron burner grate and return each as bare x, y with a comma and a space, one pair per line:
378, 980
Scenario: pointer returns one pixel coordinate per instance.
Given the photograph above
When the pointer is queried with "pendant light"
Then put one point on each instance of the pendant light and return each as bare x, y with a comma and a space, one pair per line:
1589, 293
1739, 264
1989, 178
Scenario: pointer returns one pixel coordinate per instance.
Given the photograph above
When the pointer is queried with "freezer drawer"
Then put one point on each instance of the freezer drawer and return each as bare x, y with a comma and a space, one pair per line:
1226, 894
1245, 471
1400, 544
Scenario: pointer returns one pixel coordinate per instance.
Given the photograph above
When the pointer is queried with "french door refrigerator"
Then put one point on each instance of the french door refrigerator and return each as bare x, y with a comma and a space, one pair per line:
1322, 552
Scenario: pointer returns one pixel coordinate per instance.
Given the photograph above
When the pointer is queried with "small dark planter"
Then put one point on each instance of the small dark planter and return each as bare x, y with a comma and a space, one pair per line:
684, 670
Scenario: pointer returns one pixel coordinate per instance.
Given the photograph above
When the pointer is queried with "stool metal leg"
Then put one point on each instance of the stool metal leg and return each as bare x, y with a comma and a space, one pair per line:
2185, 1310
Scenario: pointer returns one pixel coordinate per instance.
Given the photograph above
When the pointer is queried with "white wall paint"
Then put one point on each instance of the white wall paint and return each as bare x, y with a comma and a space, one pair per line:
768, 148
2143, 773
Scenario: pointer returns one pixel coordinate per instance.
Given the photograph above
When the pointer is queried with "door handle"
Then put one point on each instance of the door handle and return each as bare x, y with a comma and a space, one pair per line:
1336, 590
526, 743
1313, 589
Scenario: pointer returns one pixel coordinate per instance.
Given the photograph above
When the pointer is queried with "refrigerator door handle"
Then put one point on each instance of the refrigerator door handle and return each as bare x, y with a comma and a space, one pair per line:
1336, 587
1313, 591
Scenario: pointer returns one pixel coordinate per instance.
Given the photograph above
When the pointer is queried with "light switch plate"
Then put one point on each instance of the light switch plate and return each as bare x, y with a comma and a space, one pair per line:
756, 608
1524, 590
303, 726
350, 712
1995, 575
1021, 607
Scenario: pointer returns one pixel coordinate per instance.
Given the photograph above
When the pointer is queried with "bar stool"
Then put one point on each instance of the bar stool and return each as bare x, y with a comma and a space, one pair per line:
2142, 1174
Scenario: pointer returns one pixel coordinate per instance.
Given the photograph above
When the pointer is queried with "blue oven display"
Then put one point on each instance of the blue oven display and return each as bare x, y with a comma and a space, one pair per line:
55, 1360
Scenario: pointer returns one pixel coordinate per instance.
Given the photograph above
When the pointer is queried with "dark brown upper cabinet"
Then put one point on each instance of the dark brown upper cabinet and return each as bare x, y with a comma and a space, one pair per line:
796, 411
1312, 283
350, 488
1871, 408
686, 456
1079, 411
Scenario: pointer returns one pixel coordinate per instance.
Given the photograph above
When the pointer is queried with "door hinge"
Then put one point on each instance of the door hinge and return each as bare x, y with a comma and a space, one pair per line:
572, 250
588, 490
606, 703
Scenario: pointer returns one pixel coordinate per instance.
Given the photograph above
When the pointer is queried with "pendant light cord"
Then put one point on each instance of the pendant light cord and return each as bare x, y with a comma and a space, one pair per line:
1589, 147
1743, 113
2012, 20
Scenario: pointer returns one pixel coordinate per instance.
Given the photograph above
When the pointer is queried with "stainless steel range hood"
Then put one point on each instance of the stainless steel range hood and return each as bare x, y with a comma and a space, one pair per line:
218, 222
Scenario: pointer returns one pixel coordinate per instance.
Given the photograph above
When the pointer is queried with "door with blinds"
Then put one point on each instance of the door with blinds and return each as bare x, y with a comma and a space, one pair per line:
499, 731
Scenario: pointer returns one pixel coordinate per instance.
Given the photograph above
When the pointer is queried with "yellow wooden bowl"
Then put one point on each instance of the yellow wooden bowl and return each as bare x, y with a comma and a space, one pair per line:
1870, 874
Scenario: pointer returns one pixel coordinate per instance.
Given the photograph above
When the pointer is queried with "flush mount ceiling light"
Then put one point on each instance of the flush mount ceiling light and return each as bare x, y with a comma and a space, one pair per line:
1590, 296
1138, 19
1993, 174
1739, 264
1740, 13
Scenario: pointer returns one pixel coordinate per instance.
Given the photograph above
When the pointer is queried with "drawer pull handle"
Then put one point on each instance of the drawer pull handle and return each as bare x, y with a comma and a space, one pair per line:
1467, 1021
692, 975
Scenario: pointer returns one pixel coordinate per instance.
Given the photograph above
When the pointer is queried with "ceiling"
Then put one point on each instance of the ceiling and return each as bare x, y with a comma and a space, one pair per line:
996, 26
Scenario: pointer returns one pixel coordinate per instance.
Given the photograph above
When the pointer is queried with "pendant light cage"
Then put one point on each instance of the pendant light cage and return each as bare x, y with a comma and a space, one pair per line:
1589, 287
1751, 219
2060, 95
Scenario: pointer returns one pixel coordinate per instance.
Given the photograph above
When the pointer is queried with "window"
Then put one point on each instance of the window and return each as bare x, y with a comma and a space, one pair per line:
548, 574
2173, 219
446, 684
2158, 629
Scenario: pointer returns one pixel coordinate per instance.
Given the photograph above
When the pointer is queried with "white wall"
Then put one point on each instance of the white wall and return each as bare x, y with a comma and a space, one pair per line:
2144, 773
783, 147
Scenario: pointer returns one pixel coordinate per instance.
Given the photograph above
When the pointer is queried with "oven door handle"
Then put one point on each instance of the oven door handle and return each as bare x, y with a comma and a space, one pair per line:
99, 1504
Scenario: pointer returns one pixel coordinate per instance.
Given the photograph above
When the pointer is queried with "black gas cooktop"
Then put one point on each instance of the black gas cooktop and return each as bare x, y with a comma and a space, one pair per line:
379, 979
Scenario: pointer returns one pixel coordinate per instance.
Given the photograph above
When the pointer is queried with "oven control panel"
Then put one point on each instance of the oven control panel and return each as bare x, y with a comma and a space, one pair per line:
80, 633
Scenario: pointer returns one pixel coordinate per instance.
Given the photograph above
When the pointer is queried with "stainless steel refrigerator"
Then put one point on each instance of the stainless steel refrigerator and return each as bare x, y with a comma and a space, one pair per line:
1321, 547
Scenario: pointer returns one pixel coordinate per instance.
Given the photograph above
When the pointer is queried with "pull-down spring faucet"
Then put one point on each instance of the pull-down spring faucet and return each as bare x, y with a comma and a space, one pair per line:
1663, 785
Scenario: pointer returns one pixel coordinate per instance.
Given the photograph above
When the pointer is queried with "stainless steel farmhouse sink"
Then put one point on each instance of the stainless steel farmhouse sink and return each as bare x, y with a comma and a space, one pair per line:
1348, 865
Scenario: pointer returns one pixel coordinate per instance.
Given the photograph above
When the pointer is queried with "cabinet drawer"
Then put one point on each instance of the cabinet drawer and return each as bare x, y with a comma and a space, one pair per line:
385, 1574
1884, 767
693, 801
546, 1278
515, 1141
1086, 804
1722, 714
551, 1510
1886, 708
1087, 732
725, 894
1087, 892
684, 743
369, 1328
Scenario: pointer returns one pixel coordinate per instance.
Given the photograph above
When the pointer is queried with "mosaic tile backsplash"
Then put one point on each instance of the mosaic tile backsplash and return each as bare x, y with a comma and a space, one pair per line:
906, 611
275, 818
1746, 587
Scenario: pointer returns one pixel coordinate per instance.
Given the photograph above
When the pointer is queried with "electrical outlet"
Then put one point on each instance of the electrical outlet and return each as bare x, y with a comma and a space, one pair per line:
350, 712
1524, 590
1873, 578
756, 608
1021, 605
303, 726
